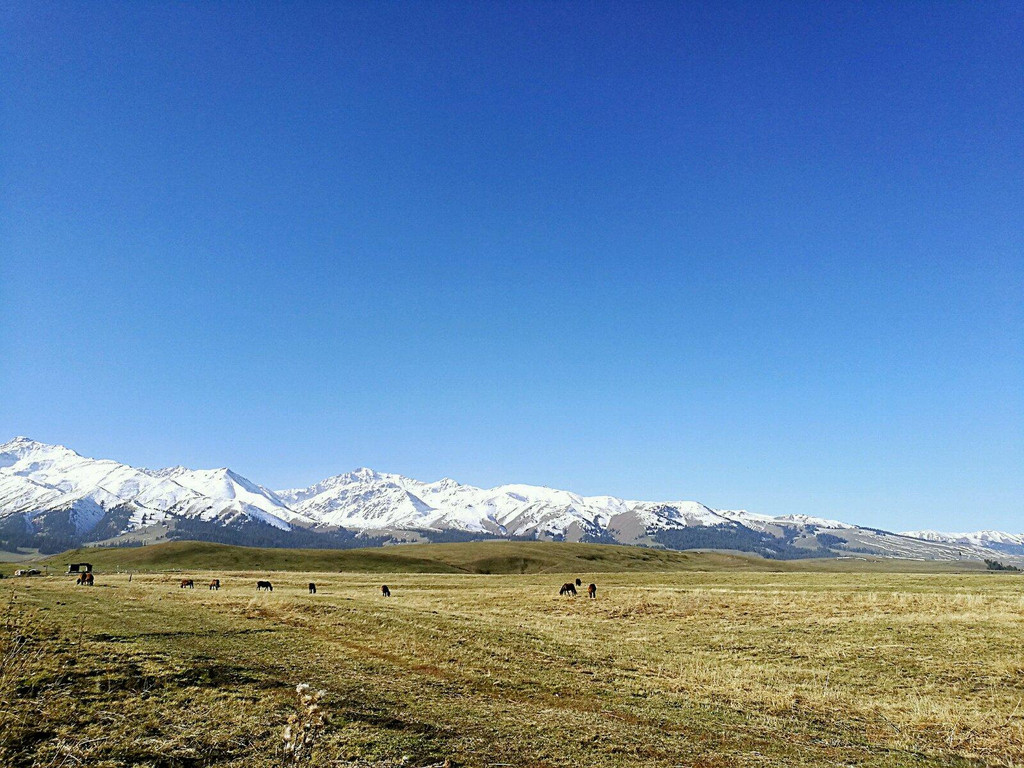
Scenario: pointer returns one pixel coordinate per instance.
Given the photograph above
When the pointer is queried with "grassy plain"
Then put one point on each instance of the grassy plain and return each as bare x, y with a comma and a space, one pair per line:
691, 668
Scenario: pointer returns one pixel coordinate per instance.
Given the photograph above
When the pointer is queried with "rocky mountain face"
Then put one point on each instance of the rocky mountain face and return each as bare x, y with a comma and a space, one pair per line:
53, 498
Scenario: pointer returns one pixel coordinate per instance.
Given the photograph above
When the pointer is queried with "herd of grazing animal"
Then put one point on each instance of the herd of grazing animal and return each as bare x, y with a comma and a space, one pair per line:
265, 586
261, 585
567, 589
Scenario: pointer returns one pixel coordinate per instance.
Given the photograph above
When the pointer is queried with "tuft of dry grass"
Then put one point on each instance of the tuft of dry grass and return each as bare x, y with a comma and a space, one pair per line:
305, 726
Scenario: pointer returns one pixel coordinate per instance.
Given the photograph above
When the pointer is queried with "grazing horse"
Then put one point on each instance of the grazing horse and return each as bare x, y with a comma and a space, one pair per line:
592, 591
187, 584
568, 589
215, 584
264, 585
385, 592
579, 582
86, 579
312, 588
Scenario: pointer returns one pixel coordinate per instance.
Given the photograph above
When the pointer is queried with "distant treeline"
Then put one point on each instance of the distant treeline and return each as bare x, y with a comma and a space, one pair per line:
460, 537
16, 533
51, 534
995, 565
743, 539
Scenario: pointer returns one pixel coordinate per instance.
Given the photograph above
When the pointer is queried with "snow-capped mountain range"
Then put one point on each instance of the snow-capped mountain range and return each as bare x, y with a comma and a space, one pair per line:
1010, 543
49, 490
37, 478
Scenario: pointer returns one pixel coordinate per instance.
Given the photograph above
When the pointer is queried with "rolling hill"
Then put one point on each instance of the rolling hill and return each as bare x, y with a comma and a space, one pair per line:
486, 557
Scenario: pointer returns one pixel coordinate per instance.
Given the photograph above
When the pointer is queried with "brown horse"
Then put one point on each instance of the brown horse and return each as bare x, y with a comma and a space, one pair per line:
592, 591
86, 579
312, 588
385, 592
215, 584
264, 585
568, 589
187, 584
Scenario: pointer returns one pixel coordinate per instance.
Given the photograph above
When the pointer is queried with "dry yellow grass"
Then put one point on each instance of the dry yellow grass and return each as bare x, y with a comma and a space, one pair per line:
695, 669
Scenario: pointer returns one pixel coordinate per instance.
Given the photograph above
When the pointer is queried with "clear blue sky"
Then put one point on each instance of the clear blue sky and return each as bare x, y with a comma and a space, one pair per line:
765, 255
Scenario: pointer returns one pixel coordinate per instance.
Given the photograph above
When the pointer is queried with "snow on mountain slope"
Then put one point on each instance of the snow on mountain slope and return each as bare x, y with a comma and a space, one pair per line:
368, 500
362, 500
982, 538
233, 493
36, 478
997, 541
54, 485
747, 518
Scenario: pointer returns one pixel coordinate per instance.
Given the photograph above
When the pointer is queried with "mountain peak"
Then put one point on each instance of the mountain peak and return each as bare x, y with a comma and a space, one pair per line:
364, 473
21, 442
22, 445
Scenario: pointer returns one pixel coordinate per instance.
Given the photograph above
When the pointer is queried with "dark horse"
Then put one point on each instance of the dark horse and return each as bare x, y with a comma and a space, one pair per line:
568, 589
187, 584
86, 579
264, 585
312, 588
579, 582
385, 591
592, 590
215, 584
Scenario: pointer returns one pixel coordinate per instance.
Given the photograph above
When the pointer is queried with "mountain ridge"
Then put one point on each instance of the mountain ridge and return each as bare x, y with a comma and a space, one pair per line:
50, 493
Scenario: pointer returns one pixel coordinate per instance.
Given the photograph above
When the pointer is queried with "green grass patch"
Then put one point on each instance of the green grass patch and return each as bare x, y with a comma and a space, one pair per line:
488, 557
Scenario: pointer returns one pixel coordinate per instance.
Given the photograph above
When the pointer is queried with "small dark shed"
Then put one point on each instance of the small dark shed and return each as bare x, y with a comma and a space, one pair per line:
80, 568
